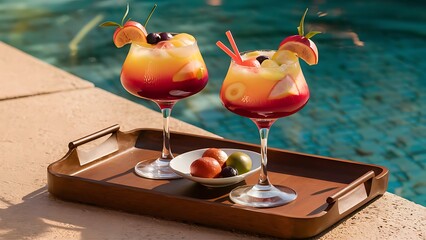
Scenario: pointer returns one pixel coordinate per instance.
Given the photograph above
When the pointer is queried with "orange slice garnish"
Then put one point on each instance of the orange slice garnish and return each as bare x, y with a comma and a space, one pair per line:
131, 32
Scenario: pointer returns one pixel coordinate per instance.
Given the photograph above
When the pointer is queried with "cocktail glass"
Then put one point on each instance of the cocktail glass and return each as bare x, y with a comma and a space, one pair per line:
264, 94
164, 73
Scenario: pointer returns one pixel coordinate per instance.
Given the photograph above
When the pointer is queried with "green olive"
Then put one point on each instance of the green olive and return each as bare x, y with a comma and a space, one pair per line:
240, 161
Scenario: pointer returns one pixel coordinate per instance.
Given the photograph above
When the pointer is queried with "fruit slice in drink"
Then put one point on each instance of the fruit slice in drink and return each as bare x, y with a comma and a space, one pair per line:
283, 88
235, 91
192, 70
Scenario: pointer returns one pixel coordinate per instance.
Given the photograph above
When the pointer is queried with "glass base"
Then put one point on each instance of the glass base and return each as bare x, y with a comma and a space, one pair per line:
262, 196
158, 169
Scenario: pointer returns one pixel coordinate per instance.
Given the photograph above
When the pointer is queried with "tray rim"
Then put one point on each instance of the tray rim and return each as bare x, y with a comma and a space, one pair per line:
315, 217
384, 172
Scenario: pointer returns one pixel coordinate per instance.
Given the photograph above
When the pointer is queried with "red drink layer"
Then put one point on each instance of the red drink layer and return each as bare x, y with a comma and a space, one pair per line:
270, 109
162, 87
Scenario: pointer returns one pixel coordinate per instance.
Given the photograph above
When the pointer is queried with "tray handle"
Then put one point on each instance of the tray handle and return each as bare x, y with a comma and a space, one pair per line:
352, 186
93, 136
107, 147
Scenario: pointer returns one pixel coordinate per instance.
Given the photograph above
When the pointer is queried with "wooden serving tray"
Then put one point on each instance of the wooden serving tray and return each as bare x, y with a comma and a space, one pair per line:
328, 189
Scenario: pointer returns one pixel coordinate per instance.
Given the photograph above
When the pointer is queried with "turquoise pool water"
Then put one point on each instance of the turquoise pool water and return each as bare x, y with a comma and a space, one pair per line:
368, 92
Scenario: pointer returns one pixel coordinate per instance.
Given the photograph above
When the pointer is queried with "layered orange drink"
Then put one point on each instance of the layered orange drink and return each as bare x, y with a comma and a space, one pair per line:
169, 70
270, 84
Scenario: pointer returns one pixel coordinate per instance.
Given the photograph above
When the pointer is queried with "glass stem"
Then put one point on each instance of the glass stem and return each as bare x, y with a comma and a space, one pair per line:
263, 178
166, 152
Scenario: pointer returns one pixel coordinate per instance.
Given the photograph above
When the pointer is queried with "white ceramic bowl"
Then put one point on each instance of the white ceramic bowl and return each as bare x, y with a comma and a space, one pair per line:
181, 166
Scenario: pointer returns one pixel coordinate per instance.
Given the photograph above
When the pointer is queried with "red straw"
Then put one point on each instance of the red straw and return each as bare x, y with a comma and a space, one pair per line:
227, 50
234, 46
234, 55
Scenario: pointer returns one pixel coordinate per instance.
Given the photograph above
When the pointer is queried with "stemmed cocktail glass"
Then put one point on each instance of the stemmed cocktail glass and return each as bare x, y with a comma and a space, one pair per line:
164, 72
263, 85
164, 68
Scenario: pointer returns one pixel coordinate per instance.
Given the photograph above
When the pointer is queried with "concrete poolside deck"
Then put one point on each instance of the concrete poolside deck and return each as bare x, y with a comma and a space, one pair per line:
43, 109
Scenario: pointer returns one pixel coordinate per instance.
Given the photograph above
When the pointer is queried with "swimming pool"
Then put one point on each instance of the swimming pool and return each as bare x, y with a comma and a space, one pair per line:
368, 92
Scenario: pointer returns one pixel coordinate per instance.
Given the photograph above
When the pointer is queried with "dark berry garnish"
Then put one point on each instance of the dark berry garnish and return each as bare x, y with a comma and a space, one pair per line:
229, 171
153, 38
261, 58
165, 36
